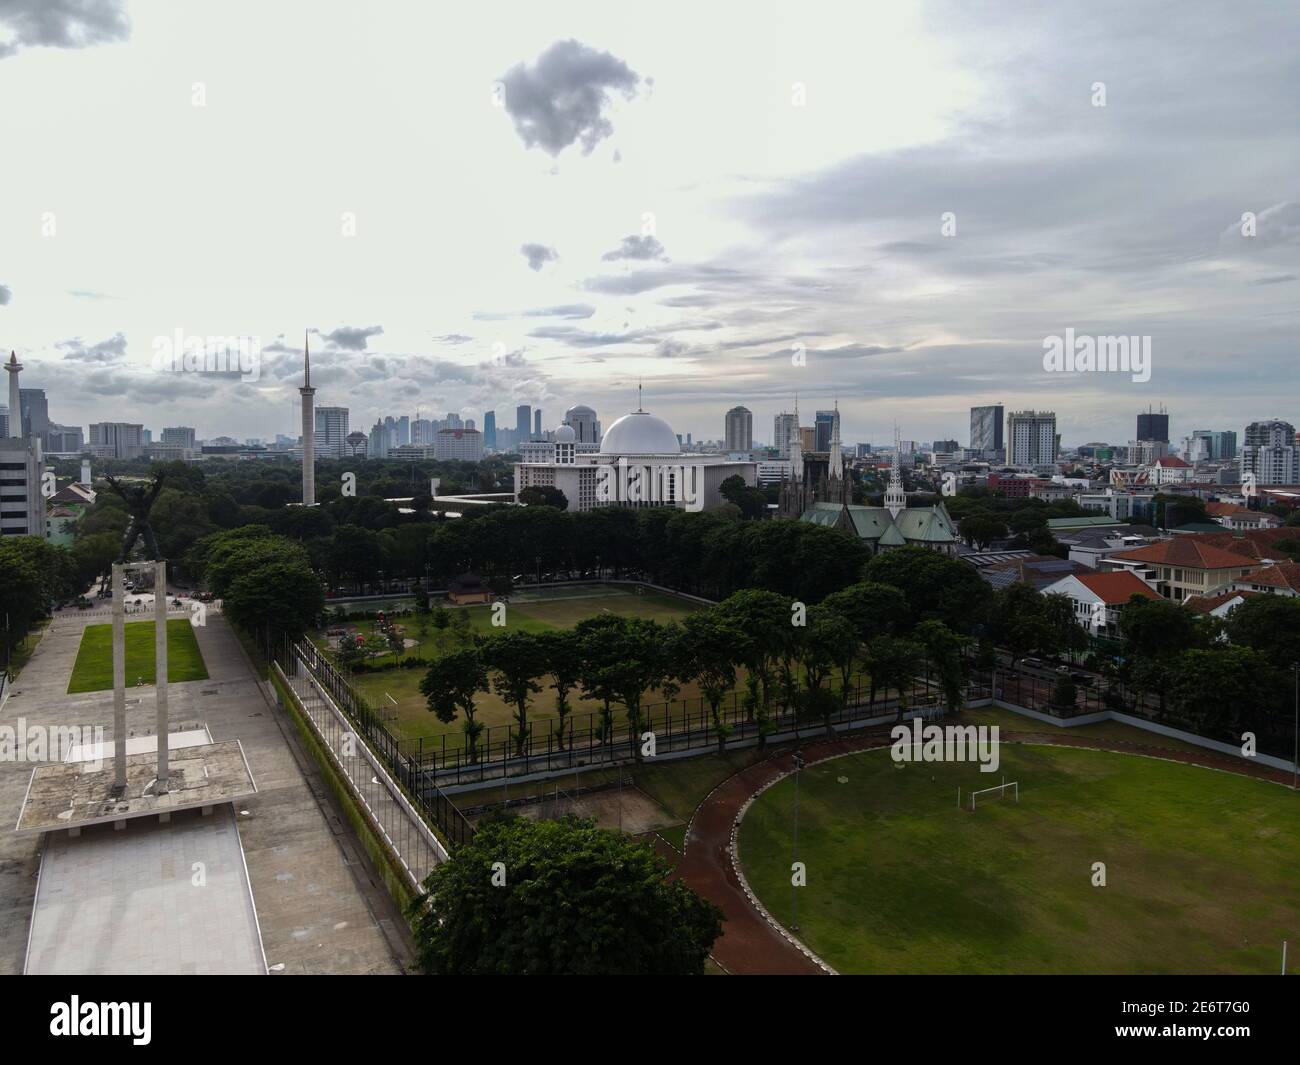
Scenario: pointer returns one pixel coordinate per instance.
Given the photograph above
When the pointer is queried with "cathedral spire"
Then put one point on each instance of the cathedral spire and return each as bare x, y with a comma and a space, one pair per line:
895, 496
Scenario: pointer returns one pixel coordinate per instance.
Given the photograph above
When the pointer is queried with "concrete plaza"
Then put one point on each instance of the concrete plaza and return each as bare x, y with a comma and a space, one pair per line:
320, 906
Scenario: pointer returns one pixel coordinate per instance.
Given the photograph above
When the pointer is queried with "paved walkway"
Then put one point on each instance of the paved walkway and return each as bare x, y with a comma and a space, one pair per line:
152, 898
749, 944
321, 906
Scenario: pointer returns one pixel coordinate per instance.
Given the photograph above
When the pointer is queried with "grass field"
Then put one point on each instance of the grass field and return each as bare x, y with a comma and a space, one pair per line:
526, 615
93, 670
1202, 867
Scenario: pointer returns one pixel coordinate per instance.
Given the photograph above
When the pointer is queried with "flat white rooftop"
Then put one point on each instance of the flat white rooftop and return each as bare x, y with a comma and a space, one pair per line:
152, 898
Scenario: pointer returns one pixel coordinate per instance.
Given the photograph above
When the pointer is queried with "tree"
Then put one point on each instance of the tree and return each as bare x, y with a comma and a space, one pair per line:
265, 581
515, 660
639, 666
560, 652
894, 663
598, 652
934, 586
981, 529
830, 640
1157, 628
545, 495
759, 622
943, 652
559, 898
1269, 624
752, 502
706, 649
450, 686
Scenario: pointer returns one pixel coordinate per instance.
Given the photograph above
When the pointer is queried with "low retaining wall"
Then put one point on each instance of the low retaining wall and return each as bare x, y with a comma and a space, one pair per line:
1142, 723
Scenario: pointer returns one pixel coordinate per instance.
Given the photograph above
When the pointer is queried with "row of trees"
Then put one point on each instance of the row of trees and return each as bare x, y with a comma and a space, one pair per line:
790, 655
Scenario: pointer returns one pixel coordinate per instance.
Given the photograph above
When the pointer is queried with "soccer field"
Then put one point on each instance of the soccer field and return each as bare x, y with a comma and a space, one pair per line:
1202, 867
93, 670
529, 615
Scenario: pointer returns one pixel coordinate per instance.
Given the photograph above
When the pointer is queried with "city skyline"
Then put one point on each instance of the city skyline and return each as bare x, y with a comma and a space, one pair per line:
592, 247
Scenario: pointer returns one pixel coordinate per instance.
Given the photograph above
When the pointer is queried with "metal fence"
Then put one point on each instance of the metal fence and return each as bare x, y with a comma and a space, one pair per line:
588, 739
415, 791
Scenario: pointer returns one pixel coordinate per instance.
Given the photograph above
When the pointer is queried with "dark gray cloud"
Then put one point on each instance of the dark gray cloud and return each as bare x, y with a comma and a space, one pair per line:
453, 338
106, 351
636, 247
538, 255
6, 294
61, 24
561, 98
351, 338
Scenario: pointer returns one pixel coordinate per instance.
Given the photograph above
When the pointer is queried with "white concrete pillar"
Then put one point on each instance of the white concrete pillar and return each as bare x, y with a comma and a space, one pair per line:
119, 682
160, 672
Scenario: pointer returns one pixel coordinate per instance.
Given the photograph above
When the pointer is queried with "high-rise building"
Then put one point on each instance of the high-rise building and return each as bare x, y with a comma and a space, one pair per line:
537, 424
586, 426
36, 413
523, 422
739, 429
1031, 438
1153, 425
1271, 452
331, 431
179, 434
463, 444
823, 426
22, 507
807, 438
784, 427
422, 431
490, 429
986, 428
377, 446
64, 439
4, 423
117, 440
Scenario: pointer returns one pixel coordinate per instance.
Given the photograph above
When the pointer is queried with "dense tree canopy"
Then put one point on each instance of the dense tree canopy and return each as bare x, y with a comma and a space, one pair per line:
559, 898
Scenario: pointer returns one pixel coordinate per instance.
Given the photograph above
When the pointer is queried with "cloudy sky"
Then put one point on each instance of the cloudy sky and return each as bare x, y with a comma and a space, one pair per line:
474, 206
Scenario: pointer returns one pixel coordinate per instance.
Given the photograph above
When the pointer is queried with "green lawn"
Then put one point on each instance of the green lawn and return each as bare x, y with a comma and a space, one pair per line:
1202, 867
93, 670
413, 717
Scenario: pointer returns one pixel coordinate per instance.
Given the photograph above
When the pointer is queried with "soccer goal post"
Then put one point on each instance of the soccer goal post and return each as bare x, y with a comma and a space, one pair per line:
998, 791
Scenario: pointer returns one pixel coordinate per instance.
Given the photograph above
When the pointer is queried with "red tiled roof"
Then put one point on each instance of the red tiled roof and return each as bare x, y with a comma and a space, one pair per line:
1280, 575
1115, 589
1223, 510
1190, 552
1172, 461
1206, 604
1253, 543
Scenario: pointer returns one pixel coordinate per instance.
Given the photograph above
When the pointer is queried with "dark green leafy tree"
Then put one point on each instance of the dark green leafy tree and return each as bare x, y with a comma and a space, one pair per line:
563, 661
515, 660
943, 653
559, 898
450, 687
705, 656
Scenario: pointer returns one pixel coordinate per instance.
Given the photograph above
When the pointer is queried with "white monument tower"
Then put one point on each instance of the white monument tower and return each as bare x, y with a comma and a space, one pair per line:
12, 368
308, 431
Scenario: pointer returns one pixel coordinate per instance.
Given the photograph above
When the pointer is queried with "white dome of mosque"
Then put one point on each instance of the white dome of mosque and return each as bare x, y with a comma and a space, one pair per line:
581, 408
565, 435
640, 433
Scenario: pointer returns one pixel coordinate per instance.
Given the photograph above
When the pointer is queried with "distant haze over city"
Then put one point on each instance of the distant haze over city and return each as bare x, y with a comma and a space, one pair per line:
895, 207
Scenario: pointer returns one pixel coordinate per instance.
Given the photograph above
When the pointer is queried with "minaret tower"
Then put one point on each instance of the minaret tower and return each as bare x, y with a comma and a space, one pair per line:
308, 430
12, 368
895, 497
